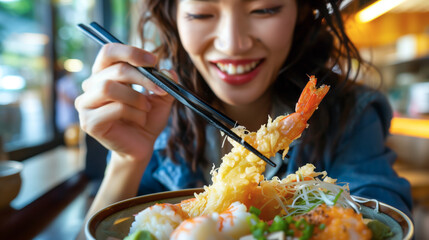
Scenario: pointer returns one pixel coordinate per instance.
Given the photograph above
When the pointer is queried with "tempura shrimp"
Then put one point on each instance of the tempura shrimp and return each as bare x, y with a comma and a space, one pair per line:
244, 169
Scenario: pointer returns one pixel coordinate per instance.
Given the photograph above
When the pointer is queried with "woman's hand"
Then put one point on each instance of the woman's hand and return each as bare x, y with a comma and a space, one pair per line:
120, 118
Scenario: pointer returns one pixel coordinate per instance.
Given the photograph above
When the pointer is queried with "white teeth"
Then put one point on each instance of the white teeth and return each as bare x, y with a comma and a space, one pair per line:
232, 69
240, 69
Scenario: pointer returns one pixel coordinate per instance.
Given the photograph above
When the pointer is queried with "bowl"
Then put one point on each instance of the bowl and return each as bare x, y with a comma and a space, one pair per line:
114, 221
10, 181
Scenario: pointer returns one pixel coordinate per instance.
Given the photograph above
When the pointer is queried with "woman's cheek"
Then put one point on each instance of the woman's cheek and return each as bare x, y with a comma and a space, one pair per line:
194, 37
277, 35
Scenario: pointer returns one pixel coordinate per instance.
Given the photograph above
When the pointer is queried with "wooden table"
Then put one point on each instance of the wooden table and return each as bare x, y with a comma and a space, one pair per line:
51, 181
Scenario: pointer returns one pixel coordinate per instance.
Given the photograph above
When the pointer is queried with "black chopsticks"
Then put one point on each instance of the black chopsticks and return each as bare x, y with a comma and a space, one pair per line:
214, 117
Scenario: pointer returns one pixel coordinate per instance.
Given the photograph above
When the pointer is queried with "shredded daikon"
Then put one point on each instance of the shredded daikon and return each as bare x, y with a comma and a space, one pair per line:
308, 194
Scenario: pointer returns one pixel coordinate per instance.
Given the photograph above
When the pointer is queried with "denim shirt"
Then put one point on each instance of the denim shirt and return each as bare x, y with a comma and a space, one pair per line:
361, 159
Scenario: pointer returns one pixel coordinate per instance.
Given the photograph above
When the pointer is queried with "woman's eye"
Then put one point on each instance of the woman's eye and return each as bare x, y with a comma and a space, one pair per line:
268, 11
190, 16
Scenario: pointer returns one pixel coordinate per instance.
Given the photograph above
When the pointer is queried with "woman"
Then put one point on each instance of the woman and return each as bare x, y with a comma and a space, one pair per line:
249, 59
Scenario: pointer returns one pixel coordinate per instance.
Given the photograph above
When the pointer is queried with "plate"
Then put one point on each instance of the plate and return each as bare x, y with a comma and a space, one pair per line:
114, 221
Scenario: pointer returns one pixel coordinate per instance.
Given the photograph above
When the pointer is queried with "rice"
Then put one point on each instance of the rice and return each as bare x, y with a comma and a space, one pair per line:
160, 220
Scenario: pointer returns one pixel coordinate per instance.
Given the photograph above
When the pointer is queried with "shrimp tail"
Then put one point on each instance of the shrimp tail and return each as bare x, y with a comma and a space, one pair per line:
294, 124
310, 98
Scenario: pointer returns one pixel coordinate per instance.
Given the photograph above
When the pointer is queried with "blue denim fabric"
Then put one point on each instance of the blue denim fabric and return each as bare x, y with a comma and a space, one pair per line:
162, 174
362, 160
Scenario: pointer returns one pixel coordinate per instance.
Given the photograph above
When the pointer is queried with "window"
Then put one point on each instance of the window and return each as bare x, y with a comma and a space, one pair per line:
39, 45
43, 60
25, 79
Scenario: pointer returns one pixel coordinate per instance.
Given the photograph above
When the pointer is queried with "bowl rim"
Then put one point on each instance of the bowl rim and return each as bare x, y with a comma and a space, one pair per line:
394, 213
93, 222
15, 167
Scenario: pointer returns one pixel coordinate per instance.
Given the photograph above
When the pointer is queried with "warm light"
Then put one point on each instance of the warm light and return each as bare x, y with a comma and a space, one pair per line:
410, 127
73, 65
12, 82
376, 9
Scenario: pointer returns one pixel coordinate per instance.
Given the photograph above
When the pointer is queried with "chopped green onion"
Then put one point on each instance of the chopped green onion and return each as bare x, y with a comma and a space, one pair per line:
338, 196
252, 220
279, 224
315, 205
258, 230
322, 226
301, 224
258, 233
289, 219
307, 232
257, 227
254, 210
290, 232
140, 235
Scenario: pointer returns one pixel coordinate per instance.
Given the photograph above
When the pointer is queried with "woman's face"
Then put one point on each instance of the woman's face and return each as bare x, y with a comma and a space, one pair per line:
238, 46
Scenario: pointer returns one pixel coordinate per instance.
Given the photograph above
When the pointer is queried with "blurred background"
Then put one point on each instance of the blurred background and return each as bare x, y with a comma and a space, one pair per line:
44, 58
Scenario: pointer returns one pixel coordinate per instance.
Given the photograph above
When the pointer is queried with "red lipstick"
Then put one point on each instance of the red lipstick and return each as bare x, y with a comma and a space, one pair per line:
238, 79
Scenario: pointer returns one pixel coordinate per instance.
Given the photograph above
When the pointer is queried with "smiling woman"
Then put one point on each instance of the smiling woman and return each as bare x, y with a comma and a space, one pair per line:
250, 60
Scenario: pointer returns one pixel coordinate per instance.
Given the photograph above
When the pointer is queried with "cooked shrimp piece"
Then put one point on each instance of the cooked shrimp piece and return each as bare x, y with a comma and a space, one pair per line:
230, 224
244, 169
233, 221
160, 220
202, 227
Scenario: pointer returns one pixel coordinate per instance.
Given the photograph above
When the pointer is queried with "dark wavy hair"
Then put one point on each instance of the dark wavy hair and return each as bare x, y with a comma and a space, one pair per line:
320, 47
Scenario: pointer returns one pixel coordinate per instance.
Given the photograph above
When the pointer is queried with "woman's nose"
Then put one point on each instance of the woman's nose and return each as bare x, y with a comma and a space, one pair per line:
233, 36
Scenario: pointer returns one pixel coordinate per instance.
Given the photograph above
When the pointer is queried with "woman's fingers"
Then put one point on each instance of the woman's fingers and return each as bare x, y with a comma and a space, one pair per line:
124, 73
97, 122
113, 91
111, 111
114, 52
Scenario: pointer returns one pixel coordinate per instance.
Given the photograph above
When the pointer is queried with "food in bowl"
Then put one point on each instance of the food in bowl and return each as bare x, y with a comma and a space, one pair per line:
241, 204
312, 209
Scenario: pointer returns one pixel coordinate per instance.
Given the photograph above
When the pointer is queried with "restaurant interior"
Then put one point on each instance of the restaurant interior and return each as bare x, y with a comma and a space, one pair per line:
44, 58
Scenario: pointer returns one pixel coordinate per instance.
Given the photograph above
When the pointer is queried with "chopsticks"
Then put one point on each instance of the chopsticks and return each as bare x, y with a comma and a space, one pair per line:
214, 117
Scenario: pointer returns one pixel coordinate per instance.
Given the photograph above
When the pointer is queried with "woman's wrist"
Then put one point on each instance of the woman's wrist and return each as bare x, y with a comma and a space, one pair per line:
121, 180
128, 159
127, 168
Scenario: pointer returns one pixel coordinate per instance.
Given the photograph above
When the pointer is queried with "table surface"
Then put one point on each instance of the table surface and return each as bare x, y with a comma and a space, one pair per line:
53, 187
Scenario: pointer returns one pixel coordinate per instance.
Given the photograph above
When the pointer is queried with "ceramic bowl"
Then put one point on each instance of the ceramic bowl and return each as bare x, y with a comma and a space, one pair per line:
114, 222
10, 181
